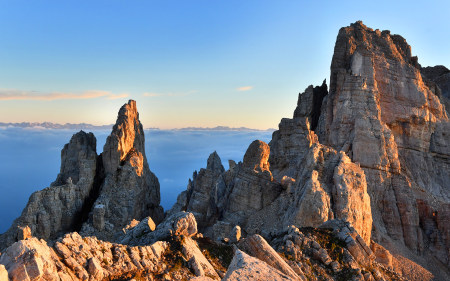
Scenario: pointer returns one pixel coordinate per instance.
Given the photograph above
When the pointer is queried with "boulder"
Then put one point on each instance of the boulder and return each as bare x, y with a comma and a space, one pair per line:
244, 267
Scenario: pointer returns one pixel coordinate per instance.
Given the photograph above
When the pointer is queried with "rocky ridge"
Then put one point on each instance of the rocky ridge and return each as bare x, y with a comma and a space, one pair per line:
353, 187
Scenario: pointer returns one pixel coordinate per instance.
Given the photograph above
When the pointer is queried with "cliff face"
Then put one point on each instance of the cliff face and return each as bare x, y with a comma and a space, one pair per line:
383, 115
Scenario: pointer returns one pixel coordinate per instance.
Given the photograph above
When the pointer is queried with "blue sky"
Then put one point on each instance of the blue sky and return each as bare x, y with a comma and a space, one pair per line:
187, 63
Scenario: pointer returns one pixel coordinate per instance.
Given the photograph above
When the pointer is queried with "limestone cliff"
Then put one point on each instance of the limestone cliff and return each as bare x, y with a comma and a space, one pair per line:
381, 113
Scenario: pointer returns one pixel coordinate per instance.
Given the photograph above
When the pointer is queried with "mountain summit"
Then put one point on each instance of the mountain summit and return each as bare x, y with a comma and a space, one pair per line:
353, 187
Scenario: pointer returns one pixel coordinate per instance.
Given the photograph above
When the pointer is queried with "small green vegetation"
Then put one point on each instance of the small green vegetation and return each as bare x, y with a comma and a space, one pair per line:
218, 253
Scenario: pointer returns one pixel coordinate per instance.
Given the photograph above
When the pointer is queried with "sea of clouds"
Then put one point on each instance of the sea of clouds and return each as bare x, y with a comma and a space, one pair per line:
30, 159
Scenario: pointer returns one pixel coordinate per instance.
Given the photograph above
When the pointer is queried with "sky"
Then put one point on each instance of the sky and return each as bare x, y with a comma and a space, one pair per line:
187, 63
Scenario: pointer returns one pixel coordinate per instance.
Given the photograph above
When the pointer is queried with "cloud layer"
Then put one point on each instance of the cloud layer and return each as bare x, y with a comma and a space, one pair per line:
13, 94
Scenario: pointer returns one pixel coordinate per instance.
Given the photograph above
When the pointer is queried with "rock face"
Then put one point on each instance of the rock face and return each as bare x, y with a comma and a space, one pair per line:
98, 194
381, 113
57, 209
129, 190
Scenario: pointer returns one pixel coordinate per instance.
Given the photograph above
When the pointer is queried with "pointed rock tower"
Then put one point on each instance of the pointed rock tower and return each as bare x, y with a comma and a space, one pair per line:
129, 190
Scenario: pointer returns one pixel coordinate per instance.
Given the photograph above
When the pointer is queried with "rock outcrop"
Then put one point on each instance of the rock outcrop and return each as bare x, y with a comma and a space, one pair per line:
97, 194
244, 267
58, 209
311, 184
437, 79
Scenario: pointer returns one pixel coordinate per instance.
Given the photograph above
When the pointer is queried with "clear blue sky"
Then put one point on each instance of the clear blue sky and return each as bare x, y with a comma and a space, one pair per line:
187, 63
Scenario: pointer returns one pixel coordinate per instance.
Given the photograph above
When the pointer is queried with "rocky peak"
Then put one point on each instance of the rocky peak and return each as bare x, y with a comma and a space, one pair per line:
74, 155
433, 72
310, 103
129, 190
438, 77
126, 137
214, 163
257, 156
59, 208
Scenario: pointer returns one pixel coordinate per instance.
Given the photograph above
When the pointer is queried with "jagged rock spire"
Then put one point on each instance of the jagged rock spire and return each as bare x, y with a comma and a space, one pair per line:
77, 158
257, 156
130, 190
127, 136
214, 163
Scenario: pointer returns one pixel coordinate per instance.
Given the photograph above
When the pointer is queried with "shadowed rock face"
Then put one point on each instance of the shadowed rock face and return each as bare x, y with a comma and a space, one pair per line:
310, 103
439, 82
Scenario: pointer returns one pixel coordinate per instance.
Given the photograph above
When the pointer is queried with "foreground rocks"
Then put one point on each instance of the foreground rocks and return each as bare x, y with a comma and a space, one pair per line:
182, 254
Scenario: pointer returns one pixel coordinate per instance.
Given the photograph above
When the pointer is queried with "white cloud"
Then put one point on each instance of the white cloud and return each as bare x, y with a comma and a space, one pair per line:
152, 94
13, 94
244, 88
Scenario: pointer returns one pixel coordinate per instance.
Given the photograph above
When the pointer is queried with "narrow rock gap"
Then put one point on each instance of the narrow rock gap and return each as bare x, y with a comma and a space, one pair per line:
88, 203
319, 94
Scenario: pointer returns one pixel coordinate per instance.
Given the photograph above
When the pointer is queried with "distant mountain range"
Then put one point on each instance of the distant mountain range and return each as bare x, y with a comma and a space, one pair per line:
50, 125
85, 126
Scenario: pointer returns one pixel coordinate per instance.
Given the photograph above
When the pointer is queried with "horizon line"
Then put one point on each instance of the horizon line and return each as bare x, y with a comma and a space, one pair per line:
60, 126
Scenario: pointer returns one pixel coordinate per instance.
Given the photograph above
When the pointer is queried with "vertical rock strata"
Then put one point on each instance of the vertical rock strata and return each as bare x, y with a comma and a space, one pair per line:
381, 113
